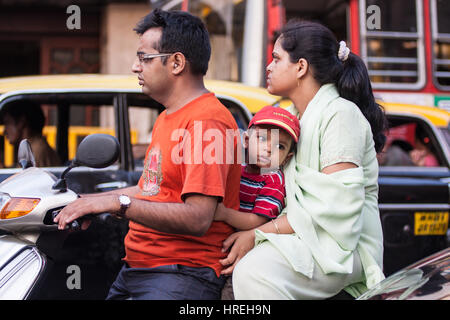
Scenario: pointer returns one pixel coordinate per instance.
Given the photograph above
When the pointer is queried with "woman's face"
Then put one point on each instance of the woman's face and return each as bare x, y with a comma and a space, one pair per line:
281, 72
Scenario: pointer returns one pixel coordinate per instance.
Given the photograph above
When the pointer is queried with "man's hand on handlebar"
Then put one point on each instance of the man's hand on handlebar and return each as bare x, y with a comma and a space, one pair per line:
86, 206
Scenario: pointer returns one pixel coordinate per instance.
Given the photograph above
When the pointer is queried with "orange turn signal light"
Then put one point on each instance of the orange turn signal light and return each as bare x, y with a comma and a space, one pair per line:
18, 207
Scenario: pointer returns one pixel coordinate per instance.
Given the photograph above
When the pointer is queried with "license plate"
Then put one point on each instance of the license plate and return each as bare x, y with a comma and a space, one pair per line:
430, 223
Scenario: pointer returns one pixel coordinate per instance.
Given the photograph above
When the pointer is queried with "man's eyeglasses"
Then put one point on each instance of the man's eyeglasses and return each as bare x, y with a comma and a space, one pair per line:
148, 56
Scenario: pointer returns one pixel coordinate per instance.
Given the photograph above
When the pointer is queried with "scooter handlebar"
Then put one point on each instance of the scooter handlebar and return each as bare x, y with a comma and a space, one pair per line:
76, 224
103, 216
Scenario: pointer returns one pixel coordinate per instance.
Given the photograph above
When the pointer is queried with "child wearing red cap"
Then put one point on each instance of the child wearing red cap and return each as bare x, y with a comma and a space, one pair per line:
269, 142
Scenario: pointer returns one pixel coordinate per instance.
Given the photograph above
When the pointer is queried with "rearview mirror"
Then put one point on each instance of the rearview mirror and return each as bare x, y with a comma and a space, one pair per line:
95, 151
25, 155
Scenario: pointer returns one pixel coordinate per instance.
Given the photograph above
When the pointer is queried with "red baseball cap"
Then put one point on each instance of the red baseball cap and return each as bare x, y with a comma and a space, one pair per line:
278, 117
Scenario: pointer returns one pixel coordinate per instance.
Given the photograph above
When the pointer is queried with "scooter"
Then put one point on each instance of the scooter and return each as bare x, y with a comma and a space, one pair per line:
29, 201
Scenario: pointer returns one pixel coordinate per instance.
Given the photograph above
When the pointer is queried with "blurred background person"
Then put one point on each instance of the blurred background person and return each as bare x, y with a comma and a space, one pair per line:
408, 145
25, 120
422, 155
396, 154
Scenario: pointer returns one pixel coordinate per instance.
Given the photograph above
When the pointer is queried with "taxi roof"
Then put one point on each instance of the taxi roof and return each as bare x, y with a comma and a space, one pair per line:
439, 117
254, 98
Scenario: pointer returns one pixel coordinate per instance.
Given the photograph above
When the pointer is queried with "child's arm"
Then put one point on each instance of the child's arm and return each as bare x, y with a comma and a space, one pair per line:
237, 219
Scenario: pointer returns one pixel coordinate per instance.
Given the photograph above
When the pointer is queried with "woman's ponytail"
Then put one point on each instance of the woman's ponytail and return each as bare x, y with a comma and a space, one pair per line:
353, 84
332, 62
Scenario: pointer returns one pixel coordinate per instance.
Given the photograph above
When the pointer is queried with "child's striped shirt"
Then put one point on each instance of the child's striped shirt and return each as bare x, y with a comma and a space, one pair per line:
262, 194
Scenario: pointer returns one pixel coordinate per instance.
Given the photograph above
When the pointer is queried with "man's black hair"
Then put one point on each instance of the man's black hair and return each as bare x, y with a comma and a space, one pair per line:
29, 110
181, 32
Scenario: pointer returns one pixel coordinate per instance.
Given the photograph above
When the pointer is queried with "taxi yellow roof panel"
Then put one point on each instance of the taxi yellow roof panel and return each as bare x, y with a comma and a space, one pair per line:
253, 97
84, 81
438, 117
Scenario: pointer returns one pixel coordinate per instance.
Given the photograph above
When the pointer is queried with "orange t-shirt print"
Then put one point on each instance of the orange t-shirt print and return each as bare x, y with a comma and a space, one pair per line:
176, 165
152, 175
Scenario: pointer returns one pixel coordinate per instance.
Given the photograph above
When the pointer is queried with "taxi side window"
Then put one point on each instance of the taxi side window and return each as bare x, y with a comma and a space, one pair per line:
143, 114
88, 119
409, 143
141, 127
41, 124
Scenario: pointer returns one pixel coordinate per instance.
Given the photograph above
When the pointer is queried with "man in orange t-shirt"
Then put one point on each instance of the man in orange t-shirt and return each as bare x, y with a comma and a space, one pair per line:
173, 246
176, 166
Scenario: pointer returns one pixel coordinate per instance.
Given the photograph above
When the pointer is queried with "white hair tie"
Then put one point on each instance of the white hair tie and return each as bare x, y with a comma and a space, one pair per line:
344, 51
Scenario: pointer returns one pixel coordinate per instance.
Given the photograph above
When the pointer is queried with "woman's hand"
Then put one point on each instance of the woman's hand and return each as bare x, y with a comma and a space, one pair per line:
240, 242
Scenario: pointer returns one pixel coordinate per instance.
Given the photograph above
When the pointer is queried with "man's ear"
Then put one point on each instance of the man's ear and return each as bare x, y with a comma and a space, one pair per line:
177, 63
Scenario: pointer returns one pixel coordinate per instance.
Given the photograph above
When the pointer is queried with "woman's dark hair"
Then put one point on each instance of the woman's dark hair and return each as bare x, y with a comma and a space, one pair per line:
28, 110
181, 32
317, 44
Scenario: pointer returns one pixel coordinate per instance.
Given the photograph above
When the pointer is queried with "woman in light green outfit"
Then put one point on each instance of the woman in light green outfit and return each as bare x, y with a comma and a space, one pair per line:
329, 236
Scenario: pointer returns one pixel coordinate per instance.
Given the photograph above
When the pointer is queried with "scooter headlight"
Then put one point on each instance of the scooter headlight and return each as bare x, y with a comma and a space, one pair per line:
16, 207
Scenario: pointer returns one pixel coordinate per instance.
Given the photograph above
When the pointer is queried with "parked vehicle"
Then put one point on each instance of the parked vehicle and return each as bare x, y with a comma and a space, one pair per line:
413, 200
427, 279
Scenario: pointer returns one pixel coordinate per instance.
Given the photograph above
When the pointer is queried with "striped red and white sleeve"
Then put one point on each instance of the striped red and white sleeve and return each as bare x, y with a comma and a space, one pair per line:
270, 200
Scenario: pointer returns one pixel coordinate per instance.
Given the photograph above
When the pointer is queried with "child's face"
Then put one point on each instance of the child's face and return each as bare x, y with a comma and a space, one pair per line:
268, 146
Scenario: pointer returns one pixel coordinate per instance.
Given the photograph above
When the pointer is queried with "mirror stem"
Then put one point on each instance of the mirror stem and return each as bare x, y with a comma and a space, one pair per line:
61, 183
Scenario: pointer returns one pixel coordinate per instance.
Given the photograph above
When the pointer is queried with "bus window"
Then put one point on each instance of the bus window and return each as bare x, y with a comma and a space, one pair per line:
440, 12
392, 47
331, 13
